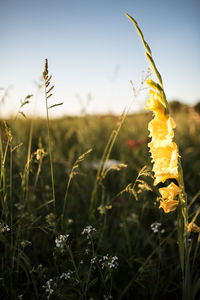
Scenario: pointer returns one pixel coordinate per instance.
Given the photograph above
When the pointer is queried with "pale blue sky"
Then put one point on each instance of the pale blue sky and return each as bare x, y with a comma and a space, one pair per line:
92, 47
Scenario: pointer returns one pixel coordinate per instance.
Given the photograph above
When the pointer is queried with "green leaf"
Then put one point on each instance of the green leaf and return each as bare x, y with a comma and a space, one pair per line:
43, 205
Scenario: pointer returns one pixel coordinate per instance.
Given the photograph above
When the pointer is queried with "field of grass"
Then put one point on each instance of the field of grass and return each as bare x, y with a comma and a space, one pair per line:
103, 236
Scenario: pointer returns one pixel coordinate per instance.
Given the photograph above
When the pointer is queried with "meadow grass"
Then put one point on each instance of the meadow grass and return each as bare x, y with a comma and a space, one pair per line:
126, 222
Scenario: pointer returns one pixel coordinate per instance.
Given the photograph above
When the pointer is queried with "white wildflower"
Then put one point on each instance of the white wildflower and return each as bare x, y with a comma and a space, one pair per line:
110, 262
48, 287
66, 275
88, 230
4, 228
93, 260
155, 227
60, 241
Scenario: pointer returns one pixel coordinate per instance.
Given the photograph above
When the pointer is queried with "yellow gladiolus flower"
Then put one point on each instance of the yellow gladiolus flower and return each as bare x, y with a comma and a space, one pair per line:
163, 149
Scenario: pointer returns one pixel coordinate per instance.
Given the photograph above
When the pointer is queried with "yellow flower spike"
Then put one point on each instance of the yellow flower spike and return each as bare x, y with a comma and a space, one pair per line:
169, 166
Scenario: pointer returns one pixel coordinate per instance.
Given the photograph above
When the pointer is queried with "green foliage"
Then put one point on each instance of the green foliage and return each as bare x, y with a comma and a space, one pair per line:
36, 246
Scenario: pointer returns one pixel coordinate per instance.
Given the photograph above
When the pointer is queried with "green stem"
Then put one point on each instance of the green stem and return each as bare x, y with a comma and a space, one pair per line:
50, 151
183, 238
65, 201
28, 160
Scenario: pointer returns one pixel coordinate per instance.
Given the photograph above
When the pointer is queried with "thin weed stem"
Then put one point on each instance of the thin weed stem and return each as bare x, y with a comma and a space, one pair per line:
49, 144
103, 162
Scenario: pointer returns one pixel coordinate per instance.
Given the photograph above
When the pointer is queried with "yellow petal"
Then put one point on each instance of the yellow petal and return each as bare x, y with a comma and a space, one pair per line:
170, 191
161, 127
155, 102
165, 163
168, 205
156, 86
165, 156
161, 177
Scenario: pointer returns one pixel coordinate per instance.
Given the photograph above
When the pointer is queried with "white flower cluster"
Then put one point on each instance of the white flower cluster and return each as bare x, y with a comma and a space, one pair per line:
93, 260
88, 230
66, 275
48, 288
60, 241
156, 227
111, 262
4, 228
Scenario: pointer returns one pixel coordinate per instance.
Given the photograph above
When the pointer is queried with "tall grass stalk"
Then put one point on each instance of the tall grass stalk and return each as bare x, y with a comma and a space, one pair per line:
29, 159
47, 79
71, 175
3, 180
103, 162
